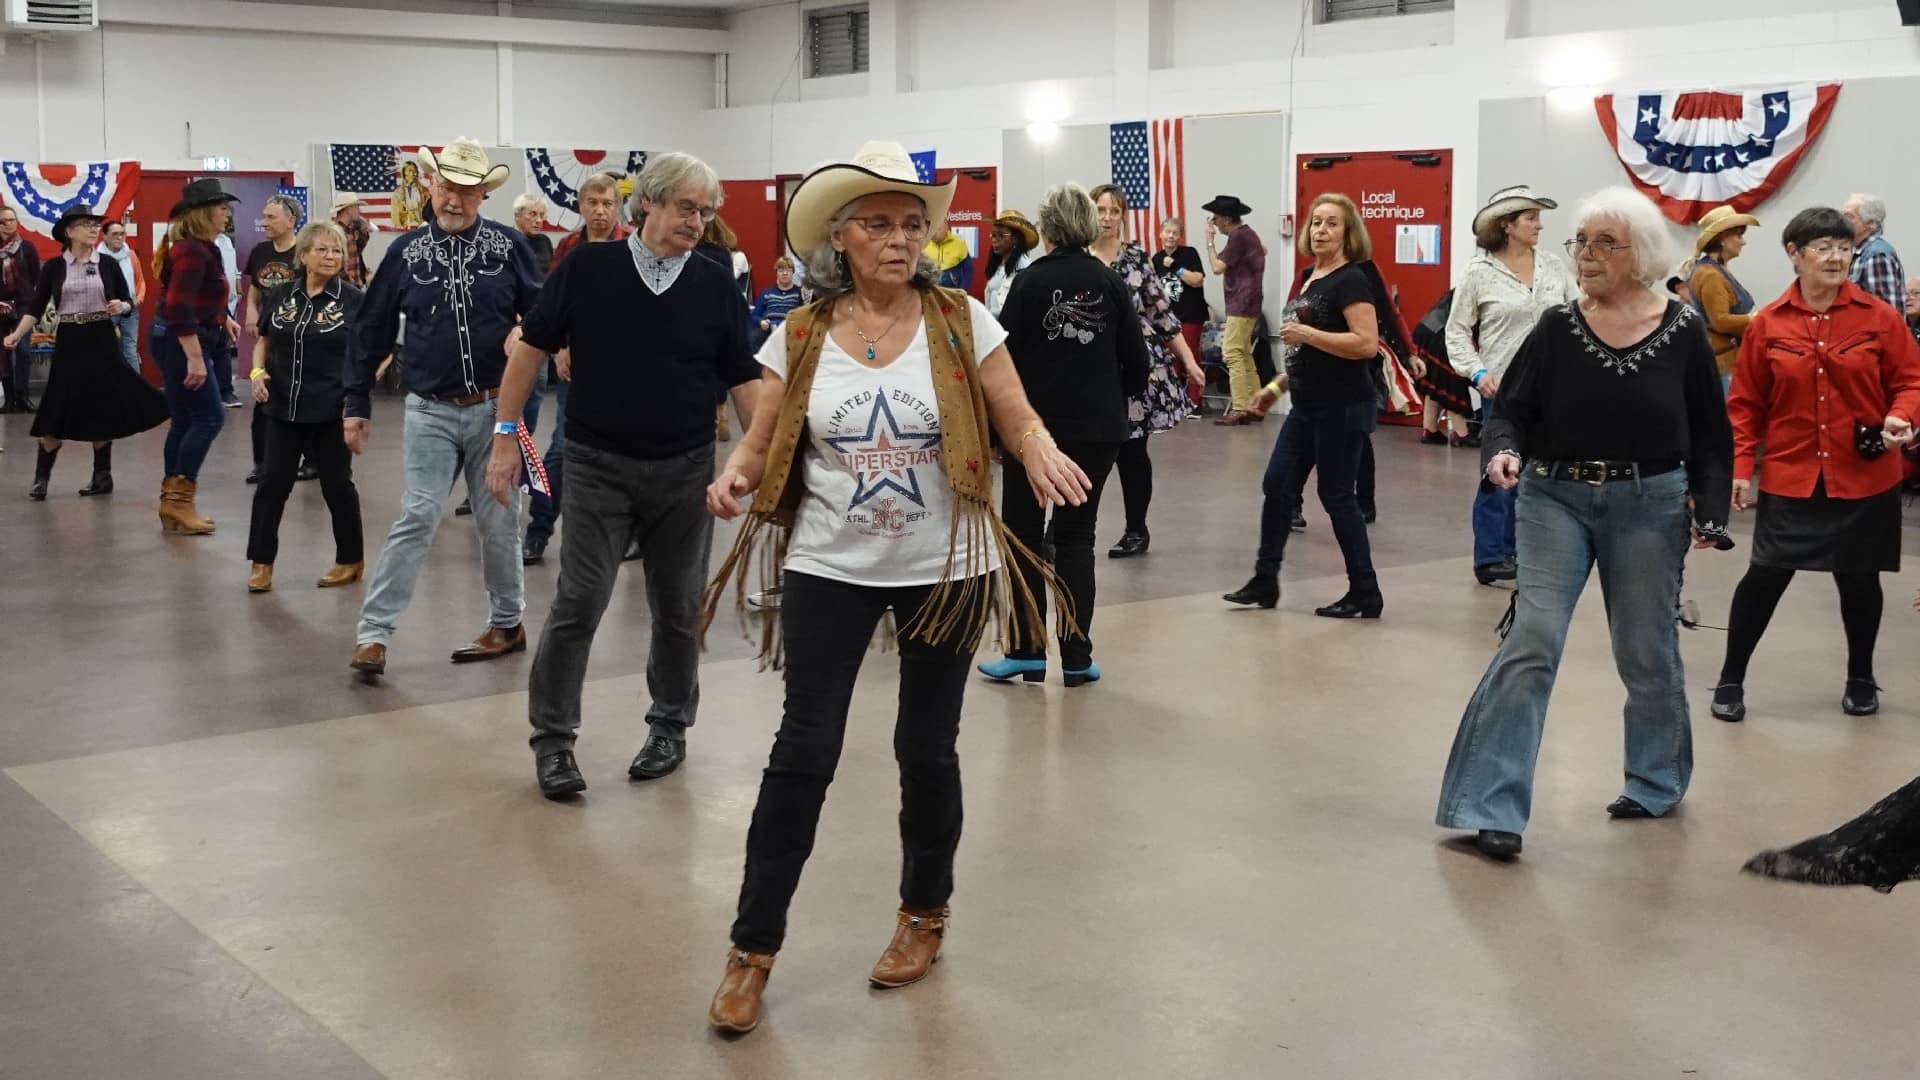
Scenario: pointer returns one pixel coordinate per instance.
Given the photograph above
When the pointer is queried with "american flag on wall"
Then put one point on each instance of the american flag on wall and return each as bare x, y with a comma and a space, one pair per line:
1148, 164
371, 172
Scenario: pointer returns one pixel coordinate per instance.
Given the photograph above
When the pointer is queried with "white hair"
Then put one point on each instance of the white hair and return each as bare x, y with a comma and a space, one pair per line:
1871, 208
527, 200
665, 174
1646, 229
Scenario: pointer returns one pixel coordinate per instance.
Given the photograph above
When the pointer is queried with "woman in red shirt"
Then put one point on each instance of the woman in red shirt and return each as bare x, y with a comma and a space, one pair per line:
1828, 381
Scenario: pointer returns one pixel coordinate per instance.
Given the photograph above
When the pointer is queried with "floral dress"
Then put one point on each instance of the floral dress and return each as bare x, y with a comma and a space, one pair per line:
1164, 403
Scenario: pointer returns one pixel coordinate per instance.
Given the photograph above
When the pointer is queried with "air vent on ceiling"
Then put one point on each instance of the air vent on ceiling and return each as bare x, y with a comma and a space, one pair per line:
37, 16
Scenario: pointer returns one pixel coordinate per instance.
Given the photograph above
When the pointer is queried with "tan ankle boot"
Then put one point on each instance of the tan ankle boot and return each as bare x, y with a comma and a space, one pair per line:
177, 513
915, 947
260, 578
736, 1005
341, 574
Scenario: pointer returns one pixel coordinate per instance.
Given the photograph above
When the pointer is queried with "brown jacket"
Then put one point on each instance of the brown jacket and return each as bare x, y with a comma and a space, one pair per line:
1724, 329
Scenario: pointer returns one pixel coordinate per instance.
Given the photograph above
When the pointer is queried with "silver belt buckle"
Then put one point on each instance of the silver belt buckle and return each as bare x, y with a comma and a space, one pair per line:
1600, 475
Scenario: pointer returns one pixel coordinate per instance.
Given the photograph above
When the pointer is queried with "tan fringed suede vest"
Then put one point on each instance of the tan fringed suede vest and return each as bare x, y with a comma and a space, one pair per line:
968, 597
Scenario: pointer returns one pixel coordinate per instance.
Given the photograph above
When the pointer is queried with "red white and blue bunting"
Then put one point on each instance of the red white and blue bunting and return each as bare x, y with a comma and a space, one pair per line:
1693, 150
40, 192
558, 174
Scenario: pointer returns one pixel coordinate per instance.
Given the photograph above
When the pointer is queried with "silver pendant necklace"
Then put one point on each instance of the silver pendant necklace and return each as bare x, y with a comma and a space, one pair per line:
875, 340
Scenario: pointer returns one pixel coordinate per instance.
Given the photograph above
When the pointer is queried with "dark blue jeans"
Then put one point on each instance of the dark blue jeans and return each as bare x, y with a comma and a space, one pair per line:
1328, 440
1493, 528
197, 414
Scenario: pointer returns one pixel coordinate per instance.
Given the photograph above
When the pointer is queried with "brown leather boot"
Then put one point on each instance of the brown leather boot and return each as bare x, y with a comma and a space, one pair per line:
736, 1005
915, 947
496, 642
370, 659
177, 513
341, 574
260, 578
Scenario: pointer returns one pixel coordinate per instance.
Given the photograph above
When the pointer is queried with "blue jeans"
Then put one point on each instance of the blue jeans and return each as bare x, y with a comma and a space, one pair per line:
1636, 532
544, 511
1493, 539
129, 327
1328, 440
441, 442
197, 414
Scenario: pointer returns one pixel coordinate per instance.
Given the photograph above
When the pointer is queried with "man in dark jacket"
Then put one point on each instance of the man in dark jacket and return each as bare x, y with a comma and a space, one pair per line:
19, 272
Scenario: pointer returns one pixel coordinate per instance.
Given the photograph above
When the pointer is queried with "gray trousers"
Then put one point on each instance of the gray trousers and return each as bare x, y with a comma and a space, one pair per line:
608, 499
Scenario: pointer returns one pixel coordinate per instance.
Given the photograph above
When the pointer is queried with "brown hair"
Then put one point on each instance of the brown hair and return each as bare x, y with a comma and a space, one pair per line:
1357, 245
1119, 196
196, 222
1713, 245
782, 263
1491, 236
601, 181
718, 233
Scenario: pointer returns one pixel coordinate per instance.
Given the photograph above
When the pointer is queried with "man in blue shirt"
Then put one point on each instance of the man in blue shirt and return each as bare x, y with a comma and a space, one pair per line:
462, 282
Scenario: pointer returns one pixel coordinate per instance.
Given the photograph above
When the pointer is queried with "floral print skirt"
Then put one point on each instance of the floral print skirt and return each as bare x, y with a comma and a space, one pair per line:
1164, 403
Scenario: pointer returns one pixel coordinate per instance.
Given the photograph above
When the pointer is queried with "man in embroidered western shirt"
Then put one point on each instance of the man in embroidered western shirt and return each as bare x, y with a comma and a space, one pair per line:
462, 282
1876, 266
656, 338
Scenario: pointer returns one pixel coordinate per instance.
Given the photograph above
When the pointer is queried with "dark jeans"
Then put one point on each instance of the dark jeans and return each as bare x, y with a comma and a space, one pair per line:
1331, 440
545, 511
1136, 482
827, 627
1073, 537
322, 447
662, 505
197, 414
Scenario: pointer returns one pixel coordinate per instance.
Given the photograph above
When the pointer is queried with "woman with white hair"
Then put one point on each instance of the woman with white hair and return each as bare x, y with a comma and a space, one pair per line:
868, 459
1610, 422
530, 217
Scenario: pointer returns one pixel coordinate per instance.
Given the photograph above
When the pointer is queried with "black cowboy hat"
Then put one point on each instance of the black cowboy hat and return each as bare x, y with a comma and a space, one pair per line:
205, 191
78, 212
1227, 206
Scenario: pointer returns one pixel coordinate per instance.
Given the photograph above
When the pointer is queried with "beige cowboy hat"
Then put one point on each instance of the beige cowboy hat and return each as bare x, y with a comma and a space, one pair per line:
1512, 200
463, 162
1719, 220
343, 199
879, 168
1017, 221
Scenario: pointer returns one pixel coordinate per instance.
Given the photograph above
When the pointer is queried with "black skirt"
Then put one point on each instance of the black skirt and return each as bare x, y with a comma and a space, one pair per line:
1826, 535
92, 395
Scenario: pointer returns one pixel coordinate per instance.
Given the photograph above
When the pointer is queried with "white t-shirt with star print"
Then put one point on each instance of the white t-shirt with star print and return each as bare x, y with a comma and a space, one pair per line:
877, 509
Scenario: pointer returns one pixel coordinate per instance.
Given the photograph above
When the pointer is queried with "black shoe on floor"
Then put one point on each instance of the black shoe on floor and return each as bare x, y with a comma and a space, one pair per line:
559, 776
1623, 808
1258, 592
1433, 438
307, 472
1299, 522
533, 551
1488, 573
1353, 607
1468, 441
657, 758
1130, 544
633, 551
1861, 699
1730, 702
1498, 845
465, 509
231, 403
253, 475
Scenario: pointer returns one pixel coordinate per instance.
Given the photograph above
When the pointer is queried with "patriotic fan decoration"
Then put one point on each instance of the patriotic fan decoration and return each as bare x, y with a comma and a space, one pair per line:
1693, 150
558, 174
40, 193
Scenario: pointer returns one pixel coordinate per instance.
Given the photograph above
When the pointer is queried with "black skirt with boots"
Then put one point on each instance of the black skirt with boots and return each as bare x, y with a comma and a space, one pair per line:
91, 394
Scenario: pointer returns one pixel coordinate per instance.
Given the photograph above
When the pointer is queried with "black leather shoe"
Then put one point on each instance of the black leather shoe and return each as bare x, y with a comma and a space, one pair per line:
1299, 522
1624, 808
1130, 545
1730, 702
1353, 607
533, 551
1488, 573
1257, 592
1861, 699
559, 776
658, 758
1498, 845
465, 509
307, 472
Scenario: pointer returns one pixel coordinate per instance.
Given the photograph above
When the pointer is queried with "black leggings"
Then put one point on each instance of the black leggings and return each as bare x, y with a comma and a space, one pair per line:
1759, 593
1072, 531
1136, 482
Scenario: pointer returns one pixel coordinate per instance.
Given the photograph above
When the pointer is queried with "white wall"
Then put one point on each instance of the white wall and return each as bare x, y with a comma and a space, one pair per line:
1533, 18
987, 42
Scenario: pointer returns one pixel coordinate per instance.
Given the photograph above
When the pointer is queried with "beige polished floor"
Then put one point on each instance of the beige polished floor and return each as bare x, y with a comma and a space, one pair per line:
1218, 862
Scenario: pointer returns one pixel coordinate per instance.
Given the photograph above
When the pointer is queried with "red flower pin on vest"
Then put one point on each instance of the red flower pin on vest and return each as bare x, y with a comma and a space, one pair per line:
972, 465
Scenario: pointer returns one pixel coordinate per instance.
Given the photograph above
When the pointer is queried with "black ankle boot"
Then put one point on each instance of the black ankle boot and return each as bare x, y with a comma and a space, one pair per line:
1353, 606
1730, 702
1862, 698
102, 472
1263, 592
42, 471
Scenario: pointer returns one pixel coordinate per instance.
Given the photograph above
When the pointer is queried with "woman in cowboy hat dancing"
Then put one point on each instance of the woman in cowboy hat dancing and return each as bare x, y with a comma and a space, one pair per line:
869, 459
186, 331
91, 393
1719, 295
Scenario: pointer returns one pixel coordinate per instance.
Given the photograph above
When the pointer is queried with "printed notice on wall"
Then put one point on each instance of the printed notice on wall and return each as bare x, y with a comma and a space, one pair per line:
1416, 245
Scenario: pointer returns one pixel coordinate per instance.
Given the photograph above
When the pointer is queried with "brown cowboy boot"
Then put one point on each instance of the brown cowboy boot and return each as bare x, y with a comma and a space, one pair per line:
736, 1005
177, 513
915, 947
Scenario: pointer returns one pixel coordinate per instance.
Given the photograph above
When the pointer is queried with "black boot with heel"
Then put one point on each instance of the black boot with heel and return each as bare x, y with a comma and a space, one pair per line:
102, 483
42, 472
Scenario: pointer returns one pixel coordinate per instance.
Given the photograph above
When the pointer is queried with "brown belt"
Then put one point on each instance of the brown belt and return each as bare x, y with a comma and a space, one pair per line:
86, 317
469, 399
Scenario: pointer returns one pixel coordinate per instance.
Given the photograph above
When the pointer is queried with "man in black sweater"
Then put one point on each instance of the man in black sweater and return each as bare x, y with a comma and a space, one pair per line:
658, 339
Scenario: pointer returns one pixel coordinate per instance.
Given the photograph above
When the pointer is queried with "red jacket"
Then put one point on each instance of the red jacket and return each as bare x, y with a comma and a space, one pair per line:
1802, 381
577, 237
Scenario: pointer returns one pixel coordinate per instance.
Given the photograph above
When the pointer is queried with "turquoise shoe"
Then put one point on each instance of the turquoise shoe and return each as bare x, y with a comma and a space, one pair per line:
1006, 668
1091, 673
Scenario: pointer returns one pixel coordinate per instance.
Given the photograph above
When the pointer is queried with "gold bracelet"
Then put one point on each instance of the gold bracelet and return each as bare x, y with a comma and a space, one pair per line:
1021, 449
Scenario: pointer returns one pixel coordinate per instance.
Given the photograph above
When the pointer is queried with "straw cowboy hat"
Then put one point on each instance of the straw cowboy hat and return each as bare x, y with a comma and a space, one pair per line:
879, 168
1719, 220
1017, 221
1512, 200
463, 162
205, 191
74, 214
344, 199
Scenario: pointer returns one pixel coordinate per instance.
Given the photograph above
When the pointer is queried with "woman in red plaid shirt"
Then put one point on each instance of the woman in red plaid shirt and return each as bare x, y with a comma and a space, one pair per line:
191, 326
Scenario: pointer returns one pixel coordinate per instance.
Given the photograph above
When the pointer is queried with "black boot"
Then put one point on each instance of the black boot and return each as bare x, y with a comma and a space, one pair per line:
1259, 591
102, 472
42, 470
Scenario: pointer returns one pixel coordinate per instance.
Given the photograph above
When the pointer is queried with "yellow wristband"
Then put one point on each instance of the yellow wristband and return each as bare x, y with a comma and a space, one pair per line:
1276, 388
257, 373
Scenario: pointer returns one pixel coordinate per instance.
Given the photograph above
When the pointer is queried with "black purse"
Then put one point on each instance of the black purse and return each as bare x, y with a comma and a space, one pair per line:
1867, 441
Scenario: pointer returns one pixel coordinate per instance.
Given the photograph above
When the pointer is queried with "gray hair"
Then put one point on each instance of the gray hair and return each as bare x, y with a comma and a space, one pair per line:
1872, 210
1646, 229
290, 204
601, 181
1067, 219
827, 272
668, 173
528, 200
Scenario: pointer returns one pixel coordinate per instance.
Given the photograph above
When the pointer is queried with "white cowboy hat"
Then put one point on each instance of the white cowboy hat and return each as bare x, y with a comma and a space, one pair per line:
878, 168
343, 199
1719, 220
1512, 200
463, 162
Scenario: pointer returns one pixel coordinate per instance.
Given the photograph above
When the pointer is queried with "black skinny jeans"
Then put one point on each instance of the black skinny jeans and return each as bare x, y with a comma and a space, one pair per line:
1073, 536
326, 451
827, 627
1759, 592
1136, 482
1332, 441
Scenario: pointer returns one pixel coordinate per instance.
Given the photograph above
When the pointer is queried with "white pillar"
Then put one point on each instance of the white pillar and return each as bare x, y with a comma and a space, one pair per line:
1132, 57
503, 79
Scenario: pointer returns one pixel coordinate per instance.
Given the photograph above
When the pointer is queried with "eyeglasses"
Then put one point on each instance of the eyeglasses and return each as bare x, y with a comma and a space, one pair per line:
1601, 249
1829, 250
914, 229
687, 208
